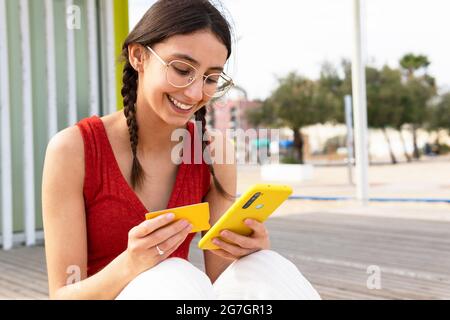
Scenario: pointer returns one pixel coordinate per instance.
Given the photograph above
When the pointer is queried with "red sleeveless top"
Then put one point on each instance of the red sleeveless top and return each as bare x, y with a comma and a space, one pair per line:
111, 205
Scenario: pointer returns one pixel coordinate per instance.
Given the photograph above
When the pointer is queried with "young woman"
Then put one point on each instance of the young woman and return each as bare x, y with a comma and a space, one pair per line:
102, 175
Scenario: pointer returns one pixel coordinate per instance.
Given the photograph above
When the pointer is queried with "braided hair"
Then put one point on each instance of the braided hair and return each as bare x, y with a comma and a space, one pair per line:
200, 116
129, 94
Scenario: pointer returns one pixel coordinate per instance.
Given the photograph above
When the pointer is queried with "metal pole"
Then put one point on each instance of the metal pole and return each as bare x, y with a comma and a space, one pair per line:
349, 123
360, 108
5, 141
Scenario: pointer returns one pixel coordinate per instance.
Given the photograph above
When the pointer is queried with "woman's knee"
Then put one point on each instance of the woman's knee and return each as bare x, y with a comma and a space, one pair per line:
173, 278
266, 256
262, 258
266, 274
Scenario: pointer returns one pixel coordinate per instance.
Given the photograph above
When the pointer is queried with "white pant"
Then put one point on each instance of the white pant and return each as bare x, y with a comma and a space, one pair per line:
262, 275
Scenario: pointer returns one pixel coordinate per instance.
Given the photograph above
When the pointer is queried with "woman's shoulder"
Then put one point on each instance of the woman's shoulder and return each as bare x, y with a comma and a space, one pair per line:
67, 142
64, 160
69, 150
66, 150
71, 139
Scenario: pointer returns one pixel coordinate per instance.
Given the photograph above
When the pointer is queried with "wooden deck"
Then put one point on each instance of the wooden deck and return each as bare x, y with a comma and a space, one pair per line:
332, 251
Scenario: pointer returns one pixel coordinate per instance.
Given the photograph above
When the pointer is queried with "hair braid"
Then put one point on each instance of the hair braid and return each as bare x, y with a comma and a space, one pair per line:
200, 117
129, 94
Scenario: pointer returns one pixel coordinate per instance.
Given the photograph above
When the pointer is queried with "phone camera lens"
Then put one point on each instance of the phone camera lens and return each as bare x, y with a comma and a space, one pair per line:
252, 199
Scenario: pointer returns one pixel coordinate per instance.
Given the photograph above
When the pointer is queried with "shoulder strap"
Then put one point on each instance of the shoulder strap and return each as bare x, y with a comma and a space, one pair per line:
90, 129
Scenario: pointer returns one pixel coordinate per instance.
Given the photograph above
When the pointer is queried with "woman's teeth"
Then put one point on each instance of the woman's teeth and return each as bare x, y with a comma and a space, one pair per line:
180, 105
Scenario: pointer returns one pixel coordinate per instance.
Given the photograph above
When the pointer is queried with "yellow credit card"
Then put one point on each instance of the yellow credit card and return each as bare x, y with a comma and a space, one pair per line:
196, 214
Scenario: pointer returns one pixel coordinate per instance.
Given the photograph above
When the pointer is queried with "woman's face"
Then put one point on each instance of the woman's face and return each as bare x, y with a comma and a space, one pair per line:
204, 51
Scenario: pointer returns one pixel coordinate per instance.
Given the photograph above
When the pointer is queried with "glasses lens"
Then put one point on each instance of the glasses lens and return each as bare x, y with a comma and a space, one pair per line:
180, 74
216, 85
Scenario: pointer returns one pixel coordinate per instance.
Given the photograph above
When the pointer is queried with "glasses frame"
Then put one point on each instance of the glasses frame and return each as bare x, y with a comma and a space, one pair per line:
192, 79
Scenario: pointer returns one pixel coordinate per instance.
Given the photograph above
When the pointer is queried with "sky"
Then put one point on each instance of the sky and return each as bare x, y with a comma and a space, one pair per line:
274, 38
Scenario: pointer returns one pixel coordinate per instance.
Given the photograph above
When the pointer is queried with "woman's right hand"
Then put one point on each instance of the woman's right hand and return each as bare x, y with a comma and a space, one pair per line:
142, 253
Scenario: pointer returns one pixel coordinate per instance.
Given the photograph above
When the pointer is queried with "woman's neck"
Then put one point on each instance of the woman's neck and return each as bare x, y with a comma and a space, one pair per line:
154, 135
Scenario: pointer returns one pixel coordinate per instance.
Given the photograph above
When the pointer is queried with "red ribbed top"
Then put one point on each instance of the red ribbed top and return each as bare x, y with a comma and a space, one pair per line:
111, 205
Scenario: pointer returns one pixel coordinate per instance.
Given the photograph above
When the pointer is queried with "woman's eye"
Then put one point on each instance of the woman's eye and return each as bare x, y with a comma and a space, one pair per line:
182, 72
212, 79
209, 80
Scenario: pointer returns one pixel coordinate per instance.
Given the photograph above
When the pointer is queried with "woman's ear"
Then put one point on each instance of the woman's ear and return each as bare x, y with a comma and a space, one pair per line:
137, 55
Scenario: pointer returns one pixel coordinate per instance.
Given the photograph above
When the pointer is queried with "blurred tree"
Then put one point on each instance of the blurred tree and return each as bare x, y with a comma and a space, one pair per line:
395, 97
411, 63
330, 97
439, 118
295, 103
384, 101
264, 115
420, 88
385, 94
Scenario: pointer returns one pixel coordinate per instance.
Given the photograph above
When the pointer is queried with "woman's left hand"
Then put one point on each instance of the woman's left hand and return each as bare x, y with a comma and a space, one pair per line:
242, 245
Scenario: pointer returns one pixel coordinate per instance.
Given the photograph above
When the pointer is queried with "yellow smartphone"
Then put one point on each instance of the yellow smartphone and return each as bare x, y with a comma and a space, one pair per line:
257, 203
196, 214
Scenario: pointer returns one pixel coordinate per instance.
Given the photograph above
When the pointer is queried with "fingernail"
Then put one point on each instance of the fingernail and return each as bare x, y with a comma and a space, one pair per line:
215, 241
248, 222
224, 233
170, 216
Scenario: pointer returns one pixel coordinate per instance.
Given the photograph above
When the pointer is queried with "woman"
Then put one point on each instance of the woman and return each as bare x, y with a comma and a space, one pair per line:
102, 176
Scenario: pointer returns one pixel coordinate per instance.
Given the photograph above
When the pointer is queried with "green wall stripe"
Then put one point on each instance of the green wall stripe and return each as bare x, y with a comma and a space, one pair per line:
121, 33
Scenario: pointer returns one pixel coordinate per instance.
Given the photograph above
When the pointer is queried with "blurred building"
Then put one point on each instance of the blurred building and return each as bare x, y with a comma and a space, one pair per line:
231, 114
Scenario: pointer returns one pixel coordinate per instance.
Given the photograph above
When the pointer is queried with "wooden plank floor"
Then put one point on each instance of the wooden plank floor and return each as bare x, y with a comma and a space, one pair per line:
333, 251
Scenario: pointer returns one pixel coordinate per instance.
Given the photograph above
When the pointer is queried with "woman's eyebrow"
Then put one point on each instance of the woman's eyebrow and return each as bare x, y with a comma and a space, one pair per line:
193, 61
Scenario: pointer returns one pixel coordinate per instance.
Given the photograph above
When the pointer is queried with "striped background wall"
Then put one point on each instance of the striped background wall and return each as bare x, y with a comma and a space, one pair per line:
58, 64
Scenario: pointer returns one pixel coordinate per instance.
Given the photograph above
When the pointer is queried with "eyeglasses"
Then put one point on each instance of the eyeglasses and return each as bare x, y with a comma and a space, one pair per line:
181, 74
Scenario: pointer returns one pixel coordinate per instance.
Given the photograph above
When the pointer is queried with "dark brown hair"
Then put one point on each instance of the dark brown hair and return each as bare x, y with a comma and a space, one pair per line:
164, 19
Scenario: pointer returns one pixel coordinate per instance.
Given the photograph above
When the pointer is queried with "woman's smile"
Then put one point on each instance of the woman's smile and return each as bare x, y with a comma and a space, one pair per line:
181, 105
178, 106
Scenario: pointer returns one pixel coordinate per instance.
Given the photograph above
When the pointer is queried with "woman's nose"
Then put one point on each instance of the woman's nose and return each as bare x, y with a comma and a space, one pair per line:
195, 90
